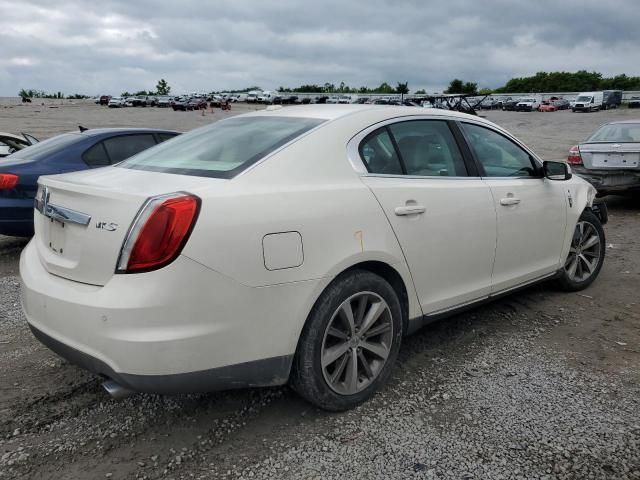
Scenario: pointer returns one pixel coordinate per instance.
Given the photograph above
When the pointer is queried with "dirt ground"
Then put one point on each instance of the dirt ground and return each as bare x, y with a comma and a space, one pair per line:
540, 384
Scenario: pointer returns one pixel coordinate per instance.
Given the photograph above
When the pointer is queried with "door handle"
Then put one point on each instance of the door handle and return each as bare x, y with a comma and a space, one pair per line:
509, 201
410, 210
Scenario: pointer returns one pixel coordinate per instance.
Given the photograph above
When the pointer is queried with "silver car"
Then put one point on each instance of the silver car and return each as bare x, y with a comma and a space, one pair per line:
610, 158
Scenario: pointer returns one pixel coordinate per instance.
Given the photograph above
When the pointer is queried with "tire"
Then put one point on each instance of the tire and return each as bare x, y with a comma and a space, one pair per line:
587, 262
329, 387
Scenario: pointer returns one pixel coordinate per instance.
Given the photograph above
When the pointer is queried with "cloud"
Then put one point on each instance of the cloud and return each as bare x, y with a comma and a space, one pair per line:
117, 45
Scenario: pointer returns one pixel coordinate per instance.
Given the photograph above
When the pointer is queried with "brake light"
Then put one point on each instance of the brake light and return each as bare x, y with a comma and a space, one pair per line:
8, 181
574, 157
159, 233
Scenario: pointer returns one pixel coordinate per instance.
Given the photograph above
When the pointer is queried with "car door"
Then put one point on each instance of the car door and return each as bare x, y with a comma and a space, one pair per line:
441, 212
531, 211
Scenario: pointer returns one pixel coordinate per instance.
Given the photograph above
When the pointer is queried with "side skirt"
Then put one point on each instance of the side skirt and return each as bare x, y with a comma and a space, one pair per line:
417, 323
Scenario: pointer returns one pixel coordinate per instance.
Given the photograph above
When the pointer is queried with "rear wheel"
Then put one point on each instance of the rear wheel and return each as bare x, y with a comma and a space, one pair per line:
586, 254
349, 343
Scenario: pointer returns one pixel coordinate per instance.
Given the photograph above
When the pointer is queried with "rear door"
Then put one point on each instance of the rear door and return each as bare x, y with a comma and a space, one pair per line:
442, 213
531, 210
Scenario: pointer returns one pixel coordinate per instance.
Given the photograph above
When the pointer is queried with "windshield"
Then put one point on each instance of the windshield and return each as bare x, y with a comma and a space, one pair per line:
618, 133
223, 149
46, 147
529, 100
583, 98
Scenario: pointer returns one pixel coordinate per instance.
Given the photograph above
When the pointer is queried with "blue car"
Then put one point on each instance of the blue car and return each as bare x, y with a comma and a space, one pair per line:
68, 152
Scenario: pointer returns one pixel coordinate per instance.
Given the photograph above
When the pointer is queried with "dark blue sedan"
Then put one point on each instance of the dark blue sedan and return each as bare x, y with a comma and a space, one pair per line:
68, 152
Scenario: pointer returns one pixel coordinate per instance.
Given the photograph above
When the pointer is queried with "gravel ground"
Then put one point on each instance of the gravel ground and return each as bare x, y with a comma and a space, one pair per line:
540, 384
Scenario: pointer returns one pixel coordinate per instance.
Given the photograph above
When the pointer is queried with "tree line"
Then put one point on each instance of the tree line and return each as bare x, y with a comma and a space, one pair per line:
569, 82
33, 93
384, 87
540, 82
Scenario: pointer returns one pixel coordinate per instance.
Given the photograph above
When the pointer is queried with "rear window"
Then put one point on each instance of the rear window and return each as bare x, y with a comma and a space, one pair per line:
223, 149
47, 147
618, 133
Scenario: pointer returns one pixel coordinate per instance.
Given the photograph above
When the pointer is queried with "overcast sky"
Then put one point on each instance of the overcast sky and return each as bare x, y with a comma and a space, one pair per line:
109, 46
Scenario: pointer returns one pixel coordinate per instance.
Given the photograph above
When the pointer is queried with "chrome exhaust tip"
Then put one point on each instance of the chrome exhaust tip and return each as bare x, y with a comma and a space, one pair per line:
116, 391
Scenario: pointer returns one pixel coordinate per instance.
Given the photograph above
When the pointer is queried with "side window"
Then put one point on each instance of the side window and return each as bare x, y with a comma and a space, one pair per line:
378, 153
96, 156
125, 146
428, 148
499, 156
166, 136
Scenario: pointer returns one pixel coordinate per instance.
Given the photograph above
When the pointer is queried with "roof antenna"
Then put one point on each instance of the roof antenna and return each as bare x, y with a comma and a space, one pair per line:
82, 129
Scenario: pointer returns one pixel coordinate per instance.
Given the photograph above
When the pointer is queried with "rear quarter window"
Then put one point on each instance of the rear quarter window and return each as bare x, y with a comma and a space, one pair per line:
125, 146
96, 156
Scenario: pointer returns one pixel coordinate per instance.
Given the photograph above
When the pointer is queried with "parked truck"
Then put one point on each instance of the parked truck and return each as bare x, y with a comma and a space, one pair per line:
611, 99
588, 102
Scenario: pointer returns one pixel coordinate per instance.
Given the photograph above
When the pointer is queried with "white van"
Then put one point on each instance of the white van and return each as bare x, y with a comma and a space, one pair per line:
252, 96
588, 102
268, 96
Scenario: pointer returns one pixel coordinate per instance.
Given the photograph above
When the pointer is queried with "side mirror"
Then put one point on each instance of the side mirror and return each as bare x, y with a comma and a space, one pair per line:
556, 170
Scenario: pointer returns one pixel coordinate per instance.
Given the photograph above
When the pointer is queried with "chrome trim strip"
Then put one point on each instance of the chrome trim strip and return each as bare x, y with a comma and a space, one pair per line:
66, 215
56, 212
417, 177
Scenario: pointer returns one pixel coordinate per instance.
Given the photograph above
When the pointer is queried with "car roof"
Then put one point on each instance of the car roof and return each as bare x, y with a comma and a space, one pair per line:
623, 121
102, 131
12, 135
336, 111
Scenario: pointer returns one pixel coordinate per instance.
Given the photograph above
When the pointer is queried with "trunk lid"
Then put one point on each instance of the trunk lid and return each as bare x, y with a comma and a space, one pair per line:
92, 212
611, 156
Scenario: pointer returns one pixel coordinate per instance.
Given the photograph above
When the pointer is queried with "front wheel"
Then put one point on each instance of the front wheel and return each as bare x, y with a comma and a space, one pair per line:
349, 343
586, 254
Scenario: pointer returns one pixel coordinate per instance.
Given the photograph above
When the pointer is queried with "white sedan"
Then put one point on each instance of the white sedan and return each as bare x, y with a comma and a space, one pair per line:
296, 245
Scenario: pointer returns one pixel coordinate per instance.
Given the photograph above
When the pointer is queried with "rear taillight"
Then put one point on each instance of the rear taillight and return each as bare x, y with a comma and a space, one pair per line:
8, 181
159, 232
574, 157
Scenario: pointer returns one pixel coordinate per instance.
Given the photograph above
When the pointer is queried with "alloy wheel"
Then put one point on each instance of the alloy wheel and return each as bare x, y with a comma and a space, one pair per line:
357, 343
584, 253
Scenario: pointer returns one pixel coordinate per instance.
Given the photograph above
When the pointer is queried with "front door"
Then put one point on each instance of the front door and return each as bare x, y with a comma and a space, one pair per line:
531, 210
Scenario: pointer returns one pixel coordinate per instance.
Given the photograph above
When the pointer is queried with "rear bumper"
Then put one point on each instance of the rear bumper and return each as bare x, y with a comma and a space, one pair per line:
609, 181
258, 373
183, 328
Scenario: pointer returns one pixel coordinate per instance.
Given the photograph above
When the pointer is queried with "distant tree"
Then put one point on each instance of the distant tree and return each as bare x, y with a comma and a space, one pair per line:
422, 91
402, 88
329, 88
384, 88
485, 91
470, 88
125, 94
456, 86
163, 88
